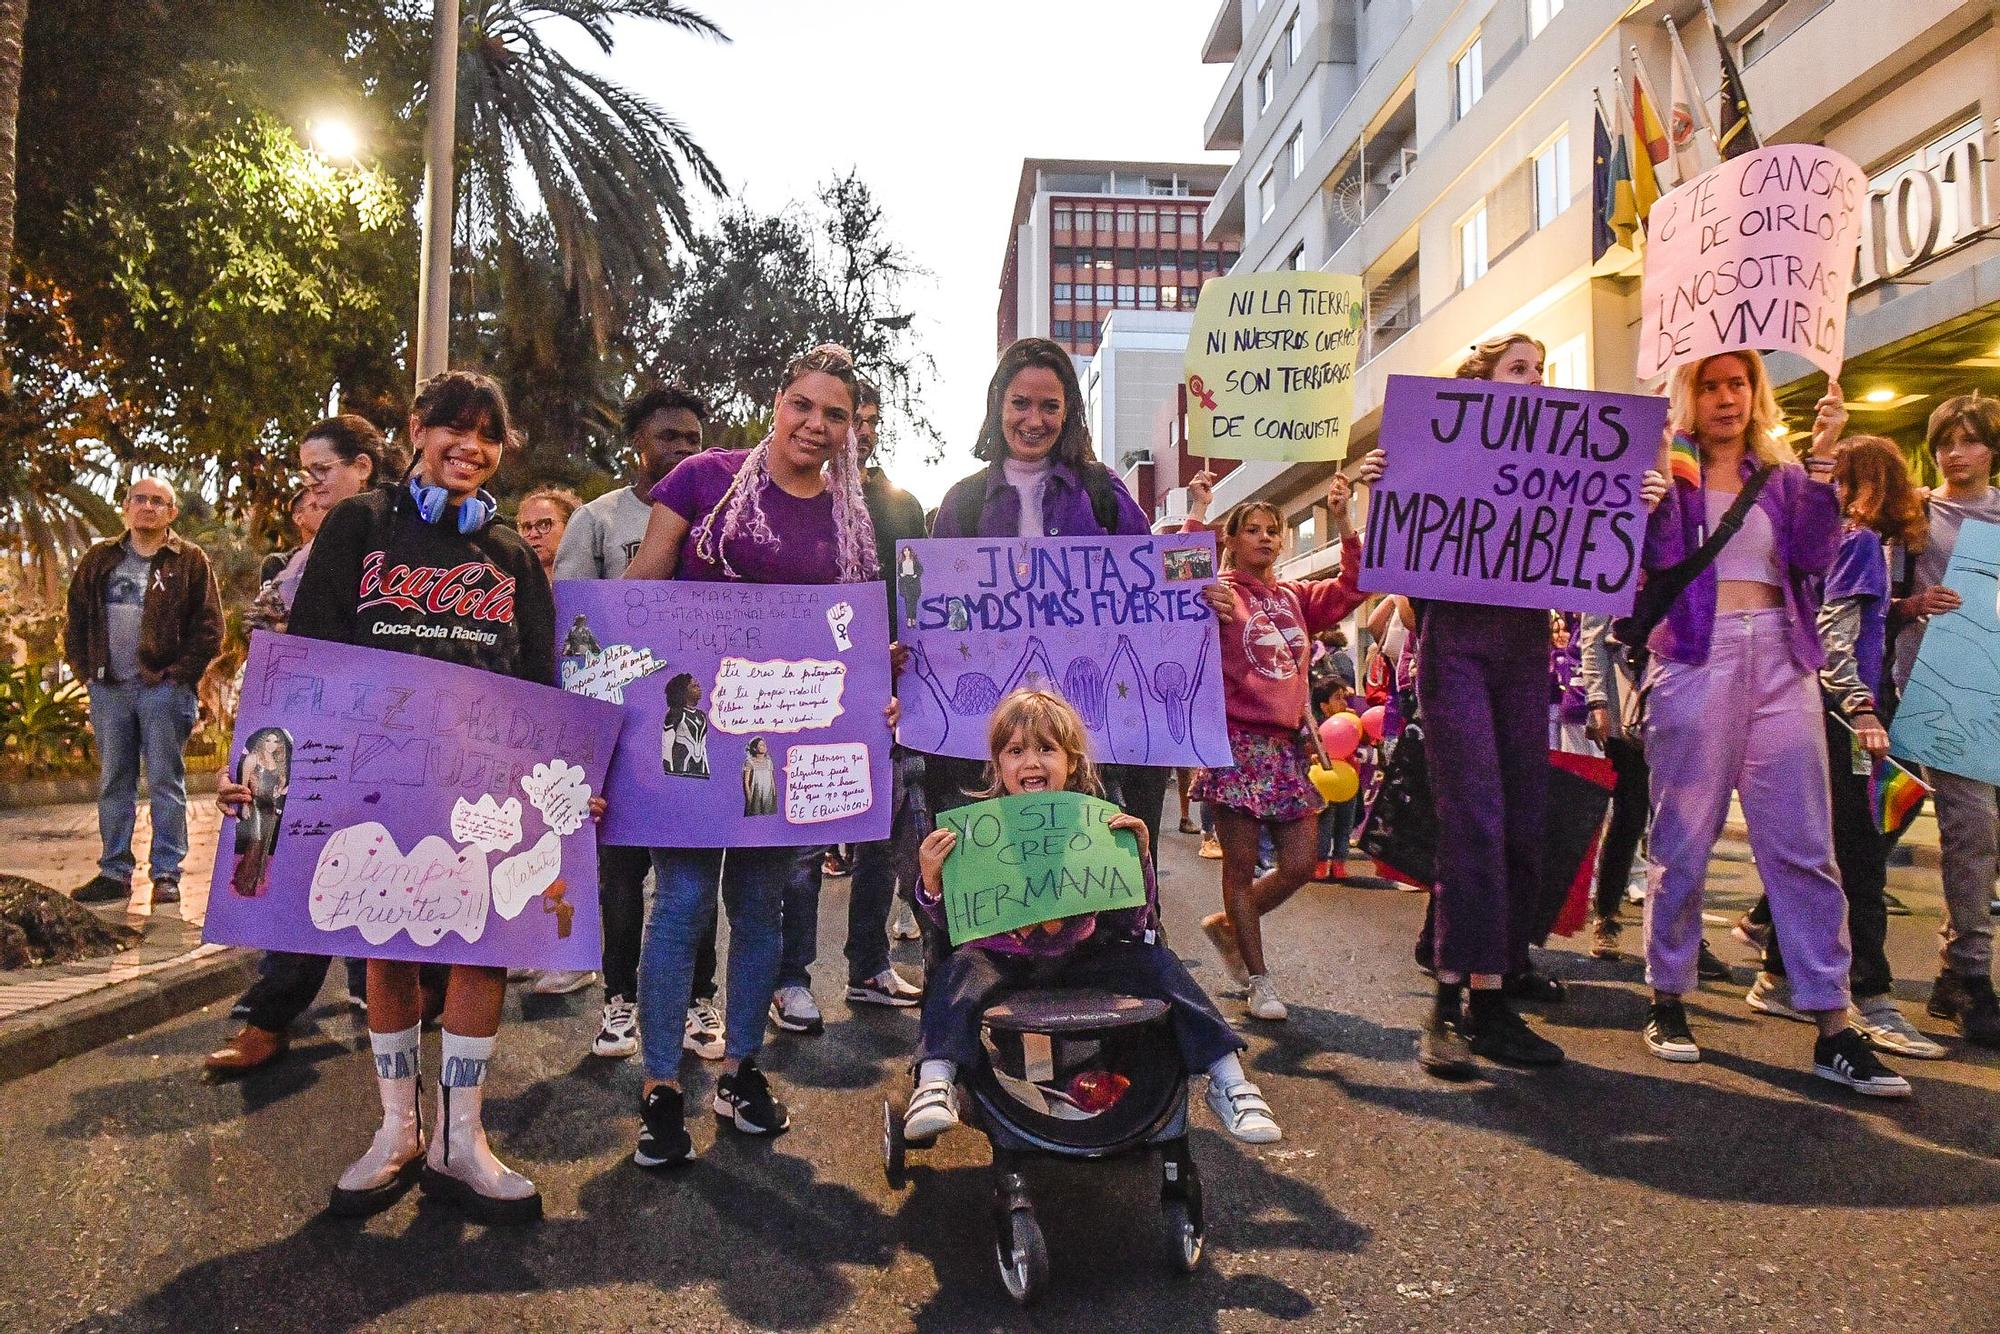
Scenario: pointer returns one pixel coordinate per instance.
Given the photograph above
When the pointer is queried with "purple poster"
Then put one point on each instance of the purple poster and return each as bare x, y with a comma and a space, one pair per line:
751, 713
1511, 495
1115, 624
410, 809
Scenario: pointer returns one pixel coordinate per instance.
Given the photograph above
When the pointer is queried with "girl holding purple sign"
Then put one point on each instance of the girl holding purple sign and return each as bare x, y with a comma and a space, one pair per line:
1733, 706
503, 620
789, 511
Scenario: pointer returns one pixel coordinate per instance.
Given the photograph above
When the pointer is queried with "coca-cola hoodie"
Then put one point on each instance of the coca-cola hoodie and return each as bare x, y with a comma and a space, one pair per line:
382, 577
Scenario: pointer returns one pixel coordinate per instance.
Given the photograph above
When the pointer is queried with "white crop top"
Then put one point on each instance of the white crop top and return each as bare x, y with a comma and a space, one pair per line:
1750, 557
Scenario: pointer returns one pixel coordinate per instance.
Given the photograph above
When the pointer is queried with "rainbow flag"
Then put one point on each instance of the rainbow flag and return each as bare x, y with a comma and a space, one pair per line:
1684, 460
1894, 794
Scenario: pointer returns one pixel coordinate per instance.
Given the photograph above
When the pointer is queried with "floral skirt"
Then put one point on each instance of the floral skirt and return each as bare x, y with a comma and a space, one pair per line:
1269, 781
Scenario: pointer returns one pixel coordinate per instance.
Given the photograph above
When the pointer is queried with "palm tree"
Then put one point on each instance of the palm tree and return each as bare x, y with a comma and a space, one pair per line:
13, 31
610, 169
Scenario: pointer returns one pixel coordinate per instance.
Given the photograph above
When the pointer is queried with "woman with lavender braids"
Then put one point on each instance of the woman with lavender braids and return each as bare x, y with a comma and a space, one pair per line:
789, 511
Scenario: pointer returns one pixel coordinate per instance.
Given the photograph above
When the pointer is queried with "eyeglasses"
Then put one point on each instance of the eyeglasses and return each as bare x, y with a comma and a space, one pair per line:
143, 501
320, 472
536, 527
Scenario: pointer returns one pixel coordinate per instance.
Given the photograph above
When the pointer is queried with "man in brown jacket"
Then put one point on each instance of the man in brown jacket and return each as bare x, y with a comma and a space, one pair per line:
145, 621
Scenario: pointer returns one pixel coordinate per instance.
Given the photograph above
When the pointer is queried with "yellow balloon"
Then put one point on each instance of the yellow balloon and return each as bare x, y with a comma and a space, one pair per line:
1337, 784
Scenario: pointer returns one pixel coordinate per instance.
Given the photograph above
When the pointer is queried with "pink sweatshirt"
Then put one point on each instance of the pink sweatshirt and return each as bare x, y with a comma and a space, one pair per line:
1267, 649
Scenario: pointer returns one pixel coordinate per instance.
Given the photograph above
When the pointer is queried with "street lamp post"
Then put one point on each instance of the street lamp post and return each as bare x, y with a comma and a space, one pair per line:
434, 275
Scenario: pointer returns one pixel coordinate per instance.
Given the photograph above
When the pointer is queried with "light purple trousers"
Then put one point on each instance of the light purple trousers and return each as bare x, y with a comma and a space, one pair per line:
1748, 721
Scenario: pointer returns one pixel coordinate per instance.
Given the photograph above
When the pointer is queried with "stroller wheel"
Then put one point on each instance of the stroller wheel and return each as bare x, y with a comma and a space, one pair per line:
1184, 1237
1023, 1257
895, 1160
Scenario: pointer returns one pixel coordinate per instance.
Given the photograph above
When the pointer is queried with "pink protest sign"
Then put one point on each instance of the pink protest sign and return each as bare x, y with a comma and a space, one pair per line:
1756, 254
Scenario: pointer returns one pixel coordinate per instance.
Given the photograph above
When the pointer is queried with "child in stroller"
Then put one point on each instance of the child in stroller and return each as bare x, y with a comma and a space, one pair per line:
1038, 745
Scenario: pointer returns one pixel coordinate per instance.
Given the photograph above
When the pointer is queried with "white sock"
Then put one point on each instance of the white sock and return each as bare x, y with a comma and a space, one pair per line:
396, 1053
940, 1072
1227, 1072
465, 1060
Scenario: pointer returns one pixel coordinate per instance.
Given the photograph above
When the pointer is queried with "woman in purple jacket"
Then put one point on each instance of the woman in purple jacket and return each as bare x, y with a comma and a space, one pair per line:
1732, 705
1041, 479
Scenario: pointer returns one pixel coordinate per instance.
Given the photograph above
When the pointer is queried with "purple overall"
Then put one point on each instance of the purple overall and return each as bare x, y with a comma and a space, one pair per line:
1483, 702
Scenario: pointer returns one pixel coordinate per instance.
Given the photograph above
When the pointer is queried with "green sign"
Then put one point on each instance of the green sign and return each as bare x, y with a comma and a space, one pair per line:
1036, 857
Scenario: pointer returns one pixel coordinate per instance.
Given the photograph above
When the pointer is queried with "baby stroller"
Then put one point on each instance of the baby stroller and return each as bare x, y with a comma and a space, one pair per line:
1070, 1074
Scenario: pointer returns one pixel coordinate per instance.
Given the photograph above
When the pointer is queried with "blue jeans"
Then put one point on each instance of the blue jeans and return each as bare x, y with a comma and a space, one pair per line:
134, 721
684, 891
871, 891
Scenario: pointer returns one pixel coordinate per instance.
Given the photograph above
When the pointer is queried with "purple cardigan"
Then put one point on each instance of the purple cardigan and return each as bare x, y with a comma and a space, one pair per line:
1805, 516
1065, 507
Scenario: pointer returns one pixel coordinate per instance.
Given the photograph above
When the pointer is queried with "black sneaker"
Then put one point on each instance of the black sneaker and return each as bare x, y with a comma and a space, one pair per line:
1498, 1034
663, 1135
1849, 1058
166, 891
1894, 906
744, 1100
1442, 1049
103, 889
1969, 1003
1709, 968
1530, 985
1667, 1035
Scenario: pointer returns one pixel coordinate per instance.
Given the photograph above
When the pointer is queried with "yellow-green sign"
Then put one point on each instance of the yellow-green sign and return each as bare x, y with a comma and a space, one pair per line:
1036, 857
1270, 366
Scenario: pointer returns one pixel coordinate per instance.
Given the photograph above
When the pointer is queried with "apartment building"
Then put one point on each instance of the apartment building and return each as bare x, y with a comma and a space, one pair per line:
1442, 150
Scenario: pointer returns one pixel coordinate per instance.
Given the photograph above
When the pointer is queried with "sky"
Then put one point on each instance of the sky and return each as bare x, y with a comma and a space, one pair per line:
935, 104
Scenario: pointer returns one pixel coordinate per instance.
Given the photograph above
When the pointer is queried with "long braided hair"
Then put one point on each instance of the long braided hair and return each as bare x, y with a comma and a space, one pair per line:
741, 509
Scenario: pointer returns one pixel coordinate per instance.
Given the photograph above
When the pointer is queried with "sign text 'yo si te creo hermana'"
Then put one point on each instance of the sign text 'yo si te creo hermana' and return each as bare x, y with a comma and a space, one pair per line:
1036, 857
1511, 495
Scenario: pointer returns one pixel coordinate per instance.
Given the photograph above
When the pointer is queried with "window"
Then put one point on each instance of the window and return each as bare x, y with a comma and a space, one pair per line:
1472, 247
1295, 153
1149, 297
1552, 180
1128, 293
1085, 331
1305, 532
1104, 221
1062, 291
1149, 261
1148, 223
1754, 45
1161, 185
1468, 72
1267, 84
1060, 329
1189, 295
1062, 219
1081, 257
1170, 297
1297, 259
1208, 261
1126, 221
1169, 223
1104, 261
1229, 258
1267, 192
1105, 293
1128, 259
1539, 14
1293, 46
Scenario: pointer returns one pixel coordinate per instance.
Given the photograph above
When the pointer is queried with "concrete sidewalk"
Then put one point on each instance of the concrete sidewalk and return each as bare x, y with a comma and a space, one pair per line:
49, 1013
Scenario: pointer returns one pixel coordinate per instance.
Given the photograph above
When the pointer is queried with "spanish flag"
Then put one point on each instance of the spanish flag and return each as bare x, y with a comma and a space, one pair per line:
1650, 145
1684, 460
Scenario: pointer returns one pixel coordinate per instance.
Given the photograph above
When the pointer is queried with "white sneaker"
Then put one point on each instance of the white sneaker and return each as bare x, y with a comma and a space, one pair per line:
703, 1034
618, 1032
794, 1010
1243, 1112
903, 926
1772, 995
933, 1110
887, 987
1264, 1002
557, 983
1886, 1027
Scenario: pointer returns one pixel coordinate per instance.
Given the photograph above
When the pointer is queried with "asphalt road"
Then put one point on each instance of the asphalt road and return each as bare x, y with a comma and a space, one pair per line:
1615, 1193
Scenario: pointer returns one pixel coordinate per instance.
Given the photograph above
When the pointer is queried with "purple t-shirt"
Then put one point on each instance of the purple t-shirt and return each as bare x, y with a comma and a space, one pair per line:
805, 552
1861, 571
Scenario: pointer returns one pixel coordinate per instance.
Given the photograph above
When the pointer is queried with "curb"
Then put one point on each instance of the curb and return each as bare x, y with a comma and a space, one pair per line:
39, 1039
1921, 854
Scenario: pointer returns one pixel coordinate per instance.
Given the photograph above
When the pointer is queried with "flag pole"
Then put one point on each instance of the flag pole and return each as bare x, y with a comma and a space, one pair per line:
1694, 85
1722, 47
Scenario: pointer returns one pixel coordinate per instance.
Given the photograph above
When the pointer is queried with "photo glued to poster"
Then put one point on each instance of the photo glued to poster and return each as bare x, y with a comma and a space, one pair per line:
1511, 495
751, 715
404, 808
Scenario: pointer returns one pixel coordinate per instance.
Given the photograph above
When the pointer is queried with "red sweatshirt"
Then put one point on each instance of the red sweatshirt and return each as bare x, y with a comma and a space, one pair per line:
1267, 649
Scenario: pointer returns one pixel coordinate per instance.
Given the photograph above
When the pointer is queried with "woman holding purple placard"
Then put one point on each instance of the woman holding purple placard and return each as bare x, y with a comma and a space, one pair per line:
441, 519
789, 511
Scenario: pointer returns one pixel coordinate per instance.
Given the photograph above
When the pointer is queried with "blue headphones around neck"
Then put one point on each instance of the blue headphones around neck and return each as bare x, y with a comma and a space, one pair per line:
433, 501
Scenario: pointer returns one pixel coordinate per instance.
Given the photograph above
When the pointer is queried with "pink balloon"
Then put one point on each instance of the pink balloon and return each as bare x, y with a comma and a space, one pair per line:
1340, 734
1372, 721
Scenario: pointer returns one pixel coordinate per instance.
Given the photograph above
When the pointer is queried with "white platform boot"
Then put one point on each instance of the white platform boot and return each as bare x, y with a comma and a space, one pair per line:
379, 1177
460, 1166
